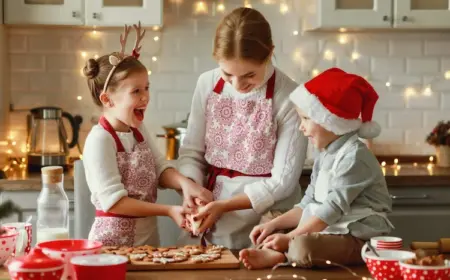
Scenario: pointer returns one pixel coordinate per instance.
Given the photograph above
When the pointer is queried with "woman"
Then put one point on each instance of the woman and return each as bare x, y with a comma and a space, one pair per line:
242, 141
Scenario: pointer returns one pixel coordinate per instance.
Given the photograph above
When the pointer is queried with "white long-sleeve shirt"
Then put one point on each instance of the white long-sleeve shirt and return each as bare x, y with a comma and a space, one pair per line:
100, 163
290, 151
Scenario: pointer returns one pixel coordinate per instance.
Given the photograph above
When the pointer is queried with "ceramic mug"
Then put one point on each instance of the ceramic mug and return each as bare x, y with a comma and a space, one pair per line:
24, 239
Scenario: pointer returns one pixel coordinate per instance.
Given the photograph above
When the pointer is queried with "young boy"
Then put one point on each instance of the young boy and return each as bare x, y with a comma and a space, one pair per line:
347, 200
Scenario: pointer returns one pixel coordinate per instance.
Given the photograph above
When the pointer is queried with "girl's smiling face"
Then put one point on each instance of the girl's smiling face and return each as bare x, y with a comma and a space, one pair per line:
128, 101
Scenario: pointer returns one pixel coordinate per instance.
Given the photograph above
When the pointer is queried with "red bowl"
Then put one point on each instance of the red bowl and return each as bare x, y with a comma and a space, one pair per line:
416, 272
101, 266
386, 266
68, 248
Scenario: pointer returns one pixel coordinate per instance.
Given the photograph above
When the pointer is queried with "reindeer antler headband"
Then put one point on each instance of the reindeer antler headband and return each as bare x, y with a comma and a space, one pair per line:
116, 60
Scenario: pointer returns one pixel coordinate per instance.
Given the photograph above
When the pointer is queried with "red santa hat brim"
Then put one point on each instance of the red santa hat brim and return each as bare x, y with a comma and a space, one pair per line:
316, 111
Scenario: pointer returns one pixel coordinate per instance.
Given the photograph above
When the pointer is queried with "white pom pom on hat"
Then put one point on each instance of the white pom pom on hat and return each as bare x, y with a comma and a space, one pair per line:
336, 99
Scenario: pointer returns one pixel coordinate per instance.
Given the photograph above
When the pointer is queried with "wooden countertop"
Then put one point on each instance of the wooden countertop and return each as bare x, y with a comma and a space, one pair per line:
240, 274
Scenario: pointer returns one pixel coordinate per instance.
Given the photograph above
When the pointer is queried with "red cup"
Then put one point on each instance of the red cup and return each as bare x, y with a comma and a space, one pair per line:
100, 266
24, 238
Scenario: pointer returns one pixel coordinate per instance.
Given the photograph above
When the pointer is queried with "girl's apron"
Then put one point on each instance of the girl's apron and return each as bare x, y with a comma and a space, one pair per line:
240, 140
321, 189
138, 171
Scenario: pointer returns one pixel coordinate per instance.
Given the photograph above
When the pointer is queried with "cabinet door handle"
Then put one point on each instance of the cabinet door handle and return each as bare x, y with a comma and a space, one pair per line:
405, 18
74, 14
95, 15
385, 18
422, 196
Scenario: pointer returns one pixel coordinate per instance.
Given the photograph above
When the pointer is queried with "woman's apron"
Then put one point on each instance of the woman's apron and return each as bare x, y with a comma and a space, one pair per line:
241, 137
321, 189
138, 171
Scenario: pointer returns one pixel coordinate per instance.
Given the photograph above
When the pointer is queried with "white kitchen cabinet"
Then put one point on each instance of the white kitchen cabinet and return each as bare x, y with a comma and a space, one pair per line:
119, 12
84, 12
375, 14
421, 14
54, 12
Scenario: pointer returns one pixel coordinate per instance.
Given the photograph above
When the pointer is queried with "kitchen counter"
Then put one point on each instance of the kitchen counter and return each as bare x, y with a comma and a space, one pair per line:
405, 175
21, 180
240, 274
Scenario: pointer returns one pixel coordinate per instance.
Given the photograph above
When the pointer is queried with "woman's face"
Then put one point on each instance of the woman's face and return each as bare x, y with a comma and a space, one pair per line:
244, 75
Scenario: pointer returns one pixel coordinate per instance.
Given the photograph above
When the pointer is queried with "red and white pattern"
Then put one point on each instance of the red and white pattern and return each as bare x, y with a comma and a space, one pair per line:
138, 171
7, 244
217, 190
240, 134
44, 275
384, 269
412, 272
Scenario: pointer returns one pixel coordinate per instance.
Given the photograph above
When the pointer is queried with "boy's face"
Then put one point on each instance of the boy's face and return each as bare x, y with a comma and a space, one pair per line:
319, 136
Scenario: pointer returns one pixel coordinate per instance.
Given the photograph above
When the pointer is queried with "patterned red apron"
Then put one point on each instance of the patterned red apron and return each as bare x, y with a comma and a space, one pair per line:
138, 171
240, 140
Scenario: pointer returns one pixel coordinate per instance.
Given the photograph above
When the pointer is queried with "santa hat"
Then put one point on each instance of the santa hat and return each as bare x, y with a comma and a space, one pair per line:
335, 99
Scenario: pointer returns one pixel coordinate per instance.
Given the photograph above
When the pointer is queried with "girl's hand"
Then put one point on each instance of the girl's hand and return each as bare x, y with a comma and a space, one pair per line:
278, 242
192, 191
178, 215
209, 214
260, 232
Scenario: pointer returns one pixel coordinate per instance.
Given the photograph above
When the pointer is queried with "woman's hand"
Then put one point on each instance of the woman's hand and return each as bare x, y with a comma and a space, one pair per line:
209, 214
192, 191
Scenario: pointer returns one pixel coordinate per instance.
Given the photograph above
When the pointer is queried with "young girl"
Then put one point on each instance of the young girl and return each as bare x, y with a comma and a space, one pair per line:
347, 200
242, 133
123, 165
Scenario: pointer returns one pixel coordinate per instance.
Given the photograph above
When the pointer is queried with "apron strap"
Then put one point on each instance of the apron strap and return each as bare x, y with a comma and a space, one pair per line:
342, 151
214, 171
219, 86
107, 126
137, 135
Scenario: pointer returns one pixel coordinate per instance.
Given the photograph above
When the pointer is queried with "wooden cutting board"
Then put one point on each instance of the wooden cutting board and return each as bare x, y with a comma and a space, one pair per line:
227, 261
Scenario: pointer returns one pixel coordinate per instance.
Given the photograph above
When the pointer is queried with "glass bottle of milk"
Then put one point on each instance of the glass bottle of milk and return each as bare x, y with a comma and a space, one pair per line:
52, 206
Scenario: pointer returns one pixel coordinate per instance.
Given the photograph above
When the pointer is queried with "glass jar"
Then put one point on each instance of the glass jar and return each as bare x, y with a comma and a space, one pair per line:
52, 206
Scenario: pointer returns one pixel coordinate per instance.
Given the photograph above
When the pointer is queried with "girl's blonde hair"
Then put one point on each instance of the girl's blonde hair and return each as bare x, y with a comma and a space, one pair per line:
97, 70
243, 34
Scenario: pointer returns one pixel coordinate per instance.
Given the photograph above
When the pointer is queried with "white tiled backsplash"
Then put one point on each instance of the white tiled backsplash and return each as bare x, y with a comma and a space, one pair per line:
45, 68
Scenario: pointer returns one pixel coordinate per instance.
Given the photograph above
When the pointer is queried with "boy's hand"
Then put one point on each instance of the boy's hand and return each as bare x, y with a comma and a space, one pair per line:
209, 214
278, 242
177, 214
260, 232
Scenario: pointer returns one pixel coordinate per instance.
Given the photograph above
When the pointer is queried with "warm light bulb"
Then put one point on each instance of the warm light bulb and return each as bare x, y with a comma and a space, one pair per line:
154, 58
268, 2
355, 55
399, 167
149, 72
248, 5
284, 8
94, 32
328, 55
410, 91
431, 159
388, 84
383, 164
447, 75
430, 166
343, 39
415, 164
83, 54
156, 38
79, 97
9, 151
295, 32
427, 91
342, 29
201, 7
96, 56
297, 55
155, 28
221, 7
396, 161
13, 143
315, 72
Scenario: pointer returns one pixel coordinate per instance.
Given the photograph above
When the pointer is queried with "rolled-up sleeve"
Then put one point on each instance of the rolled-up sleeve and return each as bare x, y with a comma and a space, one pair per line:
351, 178
290, 154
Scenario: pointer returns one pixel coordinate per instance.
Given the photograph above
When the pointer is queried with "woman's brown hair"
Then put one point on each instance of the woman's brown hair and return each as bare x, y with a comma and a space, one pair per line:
97, 70
243, 34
